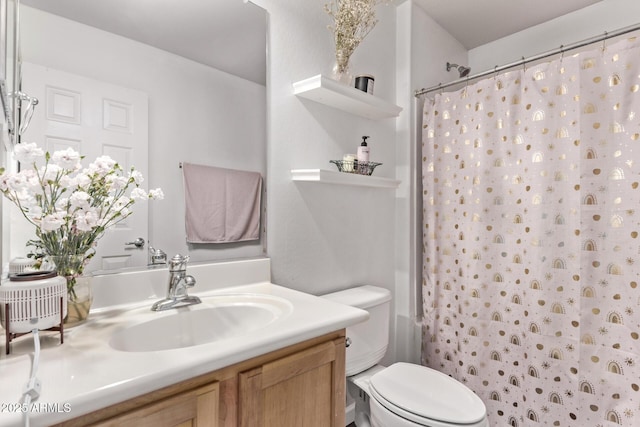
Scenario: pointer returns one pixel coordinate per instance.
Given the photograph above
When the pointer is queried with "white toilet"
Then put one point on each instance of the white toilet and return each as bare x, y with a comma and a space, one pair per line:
403, 394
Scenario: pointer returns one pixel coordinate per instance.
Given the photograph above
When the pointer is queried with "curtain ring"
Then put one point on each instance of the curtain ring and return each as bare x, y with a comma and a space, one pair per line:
495, 72
561, 53
524, 65
604, 41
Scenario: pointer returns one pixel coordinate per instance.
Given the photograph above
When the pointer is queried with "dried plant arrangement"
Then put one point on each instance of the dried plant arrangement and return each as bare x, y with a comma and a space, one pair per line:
353, 20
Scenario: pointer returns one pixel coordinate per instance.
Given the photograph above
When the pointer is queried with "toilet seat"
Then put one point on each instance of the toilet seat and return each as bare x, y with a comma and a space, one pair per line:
426, 396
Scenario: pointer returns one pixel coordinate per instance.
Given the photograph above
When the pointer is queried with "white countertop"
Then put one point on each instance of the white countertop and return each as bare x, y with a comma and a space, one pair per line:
86, 373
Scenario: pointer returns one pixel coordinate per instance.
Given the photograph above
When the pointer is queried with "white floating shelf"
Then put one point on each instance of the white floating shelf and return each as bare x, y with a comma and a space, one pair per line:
333, 177
329, 92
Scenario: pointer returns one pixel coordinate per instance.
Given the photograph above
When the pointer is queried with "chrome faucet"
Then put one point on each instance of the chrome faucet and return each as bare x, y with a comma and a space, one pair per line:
179, 281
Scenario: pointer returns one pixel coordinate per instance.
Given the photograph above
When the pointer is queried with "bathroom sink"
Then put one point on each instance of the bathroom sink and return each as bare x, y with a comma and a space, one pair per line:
216, 318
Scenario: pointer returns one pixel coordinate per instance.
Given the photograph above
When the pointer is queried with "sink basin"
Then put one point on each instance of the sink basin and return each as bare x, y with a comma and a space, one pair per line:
216, 318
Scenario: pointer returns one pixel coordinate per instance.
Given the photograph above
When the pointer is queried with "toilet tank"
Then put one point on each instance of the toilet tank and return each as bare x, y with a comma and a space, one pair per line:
366, 342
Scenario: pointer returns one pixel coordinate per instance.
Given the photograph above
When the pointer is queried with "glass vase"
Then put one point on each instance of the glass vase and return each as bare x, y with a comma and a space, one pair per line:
341, 71
79, 292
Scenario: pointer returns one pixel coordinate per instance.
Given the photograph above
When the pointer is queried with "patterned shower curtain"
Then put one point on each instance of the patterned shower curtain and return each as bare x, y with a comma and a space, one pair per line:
531, 187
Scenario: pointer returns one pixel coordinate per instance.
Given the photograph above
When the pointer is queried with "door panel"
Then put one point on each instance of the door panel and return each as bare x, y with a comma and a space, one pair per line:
95, 118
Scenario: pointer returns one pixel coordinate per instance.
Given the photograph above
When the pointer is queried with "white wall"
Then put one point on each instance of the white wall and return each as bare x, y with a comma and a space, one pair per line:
196, 114
607, 15
422, 50
326, 237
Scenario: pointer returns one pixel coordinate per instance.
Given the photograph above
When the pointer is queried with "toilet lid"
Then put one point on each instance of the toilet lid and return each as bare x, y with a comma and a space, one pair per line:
420, 392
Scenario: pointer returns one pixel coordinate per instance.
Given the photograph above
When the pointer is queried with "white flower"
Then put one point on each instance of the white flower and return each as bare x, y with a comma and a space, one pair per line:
70, 207
67, 159
102, 165
50, 172
27, 153
138, 194
137, 177
61, 203
67, 182
156, 194
81, 180
32, 181
17, 182
5, 181
79, 200
117, 182
86, 220
52, 221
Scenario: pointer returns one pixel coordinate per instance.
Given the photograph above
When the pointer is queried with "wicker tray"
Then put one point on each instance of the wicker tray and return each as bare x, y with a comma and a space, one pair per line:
354, 166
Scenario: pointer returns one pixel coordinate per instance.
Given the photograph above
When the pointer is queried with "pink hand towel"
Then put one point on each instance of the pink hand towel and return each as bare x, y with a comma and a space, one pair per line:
221, 205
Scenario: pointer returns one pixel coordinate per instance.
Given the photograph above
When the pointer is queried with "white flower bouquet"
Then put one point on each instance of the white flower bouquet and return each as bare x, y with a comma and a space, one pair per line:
70, 206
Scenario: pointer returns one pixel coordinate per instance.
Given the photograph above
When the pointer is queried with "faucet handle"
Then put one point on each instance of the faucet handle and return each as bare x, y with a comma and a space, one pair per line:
189, 281
178, 262
157, 256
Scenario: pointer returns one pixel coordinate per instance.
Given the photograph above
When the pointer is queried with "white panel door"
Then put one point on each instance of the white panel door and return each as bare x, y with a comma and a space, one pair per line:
95, 118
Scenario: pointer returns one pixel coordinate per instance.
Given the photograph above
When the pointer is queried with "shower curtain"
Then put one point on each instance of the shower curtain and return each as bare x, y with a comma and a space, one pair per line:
531, 191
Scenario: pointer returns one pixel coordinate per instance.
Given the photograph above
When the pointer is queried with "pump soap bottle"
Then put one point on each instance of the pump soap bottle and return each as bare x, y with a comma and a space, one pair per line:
363, 151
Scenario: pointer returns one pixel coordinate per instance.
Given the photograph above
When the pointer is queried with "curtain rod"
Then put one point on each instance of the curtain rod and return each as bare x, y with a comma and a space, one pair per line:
533, 58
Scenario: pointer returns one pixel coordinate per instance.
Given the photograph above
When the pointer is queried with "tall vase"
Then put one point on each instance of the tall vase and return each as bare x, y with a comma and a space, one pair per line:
79, 292
341, 71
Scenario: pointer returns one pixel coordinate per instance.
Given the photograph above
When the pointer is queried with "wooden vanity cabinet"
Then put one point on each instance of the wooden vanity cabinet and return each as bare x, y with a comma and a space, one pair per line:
297, 390
187, 409
300, 385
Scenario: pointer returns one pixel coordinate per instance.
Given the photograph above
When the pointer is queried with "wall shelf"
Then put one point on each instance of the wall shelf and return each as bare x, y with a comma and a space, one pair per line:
333, 177
329, 92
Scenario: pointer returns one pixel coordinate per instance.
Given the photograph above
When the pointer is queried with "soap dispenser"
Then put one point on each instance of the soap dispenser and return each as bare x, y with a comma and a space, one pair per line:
363, 151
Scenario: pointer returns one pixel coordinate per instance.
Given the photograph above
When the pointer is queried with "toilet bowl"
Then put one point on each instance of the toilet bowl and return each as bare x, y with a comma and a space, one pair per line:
406, 394
403, 394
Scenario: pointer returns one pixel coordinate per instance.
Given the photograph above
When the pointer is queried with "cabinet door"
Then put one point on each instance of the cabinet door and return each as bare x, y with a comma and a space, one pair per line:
304, 389
192, 408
